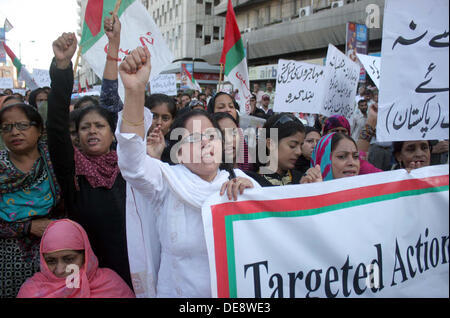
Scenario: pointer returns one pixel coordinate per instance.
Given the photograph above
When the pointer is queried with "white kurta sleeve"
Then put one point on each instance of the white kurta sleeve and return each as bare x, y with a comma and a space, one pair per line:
141, 171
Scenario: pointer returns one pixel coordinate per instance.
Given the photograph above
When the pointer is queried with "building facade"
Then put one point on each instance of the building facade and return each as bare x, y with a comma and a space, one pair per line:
295, 29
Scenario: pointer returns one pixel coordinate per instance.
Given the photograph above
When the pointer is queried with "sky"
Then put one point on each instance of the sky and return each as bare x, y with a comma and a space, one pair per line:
36, 24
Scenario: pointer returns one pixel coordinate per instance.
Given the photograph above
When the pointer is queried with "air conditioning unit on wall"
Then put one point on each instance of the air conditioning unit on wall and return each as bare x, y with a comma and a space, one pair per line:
303, 12
336, 4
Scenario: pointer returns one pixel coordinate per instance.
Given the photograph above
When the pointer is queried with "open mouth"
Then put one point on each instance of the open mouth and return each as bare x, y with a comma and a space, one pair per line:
93, 141
349, 173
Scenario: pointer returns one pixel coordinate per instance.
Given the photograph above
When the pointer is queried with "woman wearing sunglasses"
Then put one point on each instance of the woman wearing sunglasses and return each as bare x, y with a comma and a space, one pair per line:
284, 136
29, 195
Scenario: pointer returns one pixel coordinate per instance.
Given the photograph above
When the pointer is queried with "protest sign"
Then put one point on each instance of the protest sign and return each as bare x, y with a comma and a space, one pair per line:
300, 87
41, 77
342, 76
164, 84
377, 235
414, 83
372, 65
6, 82
137, 29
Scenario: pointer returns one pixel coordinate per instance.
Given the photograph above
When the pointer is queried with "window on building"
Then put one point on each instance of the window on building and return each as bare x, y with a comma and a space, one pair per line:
176, 11
268, 17
216, 2
199, 31
200, 1
207, 39
208, 8
216, 33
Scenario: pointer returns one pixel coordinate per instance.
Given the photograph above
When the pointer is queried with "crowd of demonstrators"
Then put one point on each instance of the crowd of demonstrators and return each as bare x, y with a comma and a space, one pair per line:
117, 188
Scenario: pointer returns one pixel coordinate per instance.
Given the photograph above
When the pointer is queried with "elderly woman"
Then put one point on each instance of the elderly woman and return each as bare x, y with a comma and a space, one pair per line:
167, 247
29, 195
93, 188
65, 247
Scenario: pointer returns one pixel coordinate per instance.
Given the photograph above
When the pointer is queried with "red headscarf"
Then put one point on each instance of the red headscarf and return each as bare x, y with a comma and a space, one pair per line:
94, 282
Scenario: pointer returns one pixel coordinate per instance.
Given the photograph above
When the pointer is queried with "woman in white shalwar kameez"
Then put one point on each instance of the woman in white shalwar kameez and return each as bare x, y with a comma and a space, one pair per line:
166, 243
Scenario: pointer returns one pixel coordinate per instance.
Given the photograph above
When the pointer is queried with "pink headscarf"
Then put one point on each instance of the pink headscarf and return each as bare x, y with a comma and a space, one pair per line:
94, 282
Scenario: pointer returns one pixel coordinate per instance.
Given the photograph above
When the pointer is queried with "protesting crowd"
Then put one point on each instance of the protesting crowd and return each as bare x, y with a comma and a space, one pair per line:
72, 170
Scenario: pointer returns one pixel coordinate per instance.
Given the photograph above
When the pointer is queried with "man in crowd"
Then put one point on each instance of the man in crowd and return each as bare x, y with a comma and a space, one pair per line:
270, 91
265, 102
258, 93
359, 118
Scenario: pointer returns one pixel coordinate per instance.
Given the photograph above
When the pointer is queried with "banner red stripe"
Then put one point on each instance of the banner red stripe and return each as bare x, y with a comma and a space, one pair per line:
220, 211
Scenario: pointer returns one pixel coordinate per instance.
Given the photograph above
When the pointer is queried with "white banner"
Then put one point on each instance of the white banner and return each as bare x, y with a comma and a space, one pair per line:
372, 65
299, 87
6, 82
342, 76
414, 84
137, 29
41, 77
164, 84
377, 235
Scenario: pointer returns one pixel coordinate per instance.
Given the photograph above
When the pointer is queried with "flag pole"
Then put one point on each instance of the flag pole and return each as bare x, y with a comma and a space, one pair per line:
220, 77
116, 8
77, 60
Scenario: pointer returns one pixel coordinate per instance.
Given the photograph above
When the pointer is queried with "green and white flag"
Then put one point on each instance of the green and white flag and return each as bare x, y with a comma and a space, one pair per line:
234, 59
22, 72
138, 29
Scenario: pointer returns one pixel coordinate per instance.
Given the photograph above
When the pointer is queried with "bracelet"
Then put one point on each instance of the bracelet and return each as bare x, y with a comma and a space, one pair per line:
131, 123
109, 57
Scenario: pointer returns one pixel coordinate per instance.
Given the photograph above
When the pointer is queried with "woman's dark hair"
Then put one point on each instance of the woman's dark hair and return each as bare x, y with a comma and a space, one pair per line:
286, 124
13, 97
73, 115
157, 99
91, 100
34, 94
222, 115
30, 112
99, 110
337, 137
212, 104
309, 129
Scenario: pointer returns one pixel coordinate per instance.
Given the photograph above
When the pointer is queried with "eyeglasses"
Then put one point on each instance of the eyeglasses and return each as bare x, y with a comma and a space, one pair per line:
7, 128
285, 119
198, 137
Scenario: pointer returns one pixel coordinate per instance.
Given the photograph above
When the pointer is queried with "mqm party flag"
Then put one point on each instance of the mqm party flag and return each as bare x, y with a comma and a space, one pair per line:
189, 79
138, 29
377, 235
234, 60
22, 72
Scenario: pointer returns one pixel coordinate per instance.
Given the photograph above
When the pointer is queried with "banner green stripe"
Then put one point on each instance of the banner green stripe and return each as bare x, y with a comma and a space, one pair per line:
87, 40
234, 56
229, 219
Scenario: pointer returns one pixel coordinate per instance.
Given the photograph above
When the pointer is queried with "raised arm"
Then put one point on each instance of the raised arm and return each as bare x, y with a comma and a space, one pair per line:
109, 96
141, 171
59, 142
